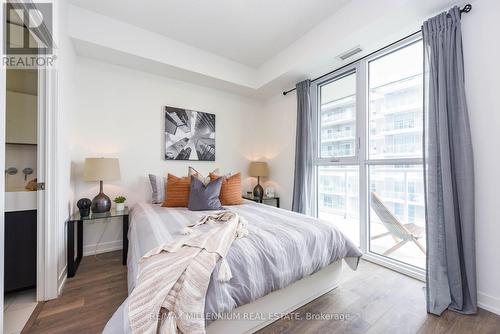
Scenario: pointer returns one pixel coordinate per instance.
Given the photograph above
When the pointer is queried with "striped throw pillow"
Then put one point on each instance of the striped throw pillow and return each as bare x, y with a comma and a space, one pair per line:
177, 191
230, 192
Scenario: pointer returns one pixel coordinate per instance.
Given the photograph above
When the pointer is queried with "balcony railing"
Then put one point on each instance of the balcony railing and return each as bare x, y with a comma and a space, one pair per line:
343, 189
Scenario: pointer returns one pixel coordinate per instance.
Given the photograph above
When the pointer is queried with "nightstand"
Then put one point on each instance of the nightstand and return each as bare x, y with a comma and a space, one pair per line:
264, 200
77, 220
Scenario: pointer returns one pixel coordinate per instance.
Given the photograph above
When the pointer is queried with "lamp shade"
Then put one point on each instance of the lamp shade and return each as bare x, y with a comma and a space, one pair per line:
101, 169
258, 168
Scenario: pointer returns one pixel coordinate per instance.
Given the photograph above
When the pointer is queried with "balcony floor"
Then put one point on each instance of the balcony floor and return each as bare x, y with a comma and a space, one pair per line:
409, 253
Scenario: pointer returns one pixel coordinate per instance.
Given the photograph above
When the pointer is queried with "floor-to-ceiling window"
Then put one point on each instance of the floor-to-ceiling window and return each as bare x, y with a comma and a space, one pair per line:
369, 165
395, 173
337, 163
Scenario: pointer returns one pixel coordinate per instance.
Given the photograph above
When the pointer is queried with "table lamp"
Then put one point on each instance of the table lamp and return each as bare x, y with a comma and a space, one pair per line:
101, 169
258, 169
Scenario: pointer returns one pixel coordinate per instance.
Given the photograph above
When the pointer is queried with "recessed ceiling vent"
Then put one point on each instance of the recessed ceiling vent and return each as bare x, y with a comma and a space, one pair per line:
349, 53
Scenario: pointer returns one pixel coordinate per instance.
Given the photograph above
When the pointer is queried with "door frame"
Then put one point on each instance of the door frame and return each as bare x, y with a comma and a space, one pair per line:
47, 217
47, 208
3, 93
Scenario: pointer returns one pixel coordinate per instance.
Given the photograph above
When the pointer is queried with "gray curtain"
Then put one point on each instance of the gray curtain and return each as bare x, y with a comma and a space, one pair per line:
451, 268
303, 176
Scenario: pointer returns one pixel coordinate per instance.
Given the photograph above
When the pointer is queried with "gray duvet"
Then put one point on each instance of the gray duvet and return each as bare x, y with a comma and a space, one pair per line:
281, 248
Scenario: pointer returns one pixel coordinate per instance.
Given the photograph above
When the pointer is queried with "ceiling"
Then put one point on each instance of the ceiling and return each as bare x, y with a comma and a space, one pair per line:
255, 48
248, 32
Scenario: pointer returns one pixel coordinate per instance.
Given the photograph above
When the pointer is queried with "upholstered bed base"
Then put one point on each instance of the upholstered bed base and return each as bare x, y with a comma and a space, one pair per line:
251, 317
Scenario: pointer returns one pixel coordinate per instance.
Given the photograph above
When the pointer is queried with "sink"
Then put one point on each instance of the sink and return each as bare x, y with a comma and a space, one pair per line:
20, 200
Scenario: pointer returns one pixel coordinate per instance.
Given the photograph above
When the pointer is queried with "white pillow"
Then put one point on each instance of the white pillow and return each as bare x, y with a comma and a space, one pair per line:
199, 176
158, 184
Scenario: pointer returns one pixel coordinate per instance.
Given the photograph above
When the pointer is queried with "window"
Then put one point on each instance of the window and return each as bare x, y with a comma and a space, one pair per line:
395, 103
337, 109
369, 164
338, 184
395, 94
338, 198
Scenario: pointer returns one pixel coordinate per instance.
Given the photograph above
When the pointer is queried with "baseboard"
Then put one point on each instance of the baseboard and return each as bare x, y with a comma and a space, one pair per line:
103, 247
61, 280
488, 302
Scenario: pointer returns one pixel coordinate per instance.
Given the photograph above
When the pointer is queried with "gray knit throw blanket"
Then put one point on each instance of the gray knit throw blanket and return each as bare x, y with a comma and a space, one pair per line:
173, 278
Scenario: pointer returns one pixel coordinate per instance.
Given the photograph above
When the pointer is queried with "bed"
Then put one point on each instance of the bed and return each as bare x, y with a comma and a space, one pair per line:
287, 260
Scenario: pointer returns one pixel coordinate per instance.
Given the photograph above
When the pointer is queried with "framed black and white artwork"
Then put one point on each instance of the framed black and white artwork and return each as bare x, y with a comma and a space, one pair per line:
189, 135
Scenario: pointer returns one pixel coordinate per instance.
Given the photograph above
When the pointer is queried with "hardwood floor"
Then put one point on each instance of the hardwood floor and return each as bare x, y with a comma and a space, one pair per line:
88, 300
373, 300
370, 300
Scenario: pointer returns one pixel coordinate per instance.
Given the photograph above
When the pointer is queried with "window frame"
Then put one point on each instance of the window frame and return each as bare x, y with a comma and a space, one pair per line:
319, 161
361, 156
316, 98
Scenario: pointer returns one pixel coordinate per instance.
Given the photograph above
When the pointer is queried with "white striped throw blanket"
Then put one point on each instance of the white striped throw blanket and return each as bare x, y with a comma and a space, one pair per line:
173, 278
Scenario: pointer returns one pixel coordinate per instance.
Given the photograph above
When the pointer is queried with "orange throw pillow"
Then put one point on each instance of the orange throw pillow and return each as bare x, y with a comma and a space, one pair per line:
230, 192
177, 191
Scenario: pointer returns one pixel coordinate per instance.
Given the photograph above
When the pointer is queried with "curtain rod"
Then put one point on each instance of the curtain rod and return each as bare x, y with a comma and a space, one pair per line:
467, 8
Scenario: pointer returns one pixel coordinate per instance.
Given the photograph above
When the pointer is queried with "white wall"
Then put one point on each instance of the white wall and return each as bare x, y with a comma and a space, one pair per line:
480, 28
279, 148
64, 113
482, 78
120, 115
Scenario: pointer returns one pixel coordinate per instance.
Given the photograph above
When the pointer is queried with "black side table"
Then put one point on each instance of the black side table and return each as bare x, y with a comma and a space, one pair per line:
78, 220
264, 199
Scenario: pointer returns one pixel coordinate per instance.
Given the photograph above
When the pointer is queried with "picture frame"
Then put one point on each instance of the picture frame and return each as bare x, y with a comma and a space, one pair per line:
189, 135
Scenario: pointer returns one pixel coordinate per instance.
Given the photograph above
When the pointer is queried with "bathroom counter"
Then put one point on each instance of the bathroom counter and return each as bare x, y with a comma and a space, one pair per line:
20, 201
